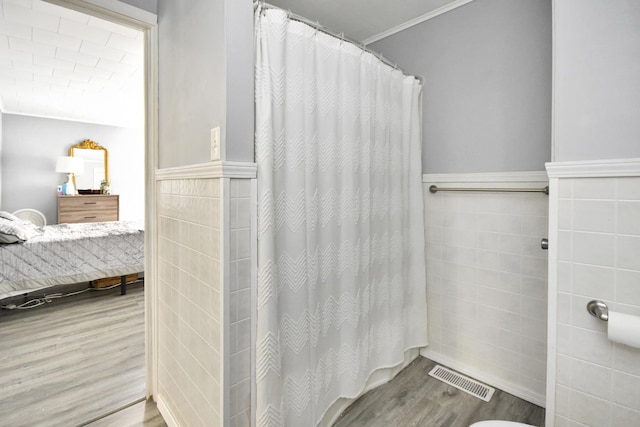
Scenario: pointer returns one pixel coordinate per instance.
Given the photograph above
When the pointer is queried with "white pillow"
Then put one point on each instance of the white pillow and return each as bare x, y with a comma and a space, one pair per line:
9, 216
12, 231
8, 238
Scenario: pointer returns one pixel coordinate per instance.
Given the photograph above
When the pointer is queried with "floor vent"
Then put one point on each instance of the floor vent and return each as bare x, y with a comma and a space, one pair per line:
465, 384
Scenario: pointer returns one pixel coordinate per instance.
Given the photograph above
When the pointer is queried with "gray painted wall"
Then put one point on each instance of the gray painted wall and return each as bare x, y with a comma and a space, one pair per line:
191, 79
206, 79
1, 161
240, 72
31, 146
597, 79
487, 85
148, 5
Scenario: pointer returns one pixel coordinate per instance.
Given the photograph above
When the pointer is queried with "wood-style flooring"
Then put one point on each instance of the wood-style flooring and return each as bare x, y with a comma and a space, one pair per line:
413, 398
143, 414
71, 361
79, 361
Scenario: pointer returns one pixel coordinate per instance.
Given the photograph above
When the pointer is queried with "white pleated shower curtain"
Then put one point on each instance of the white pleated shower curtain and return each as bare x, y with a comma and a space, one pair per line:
341, 279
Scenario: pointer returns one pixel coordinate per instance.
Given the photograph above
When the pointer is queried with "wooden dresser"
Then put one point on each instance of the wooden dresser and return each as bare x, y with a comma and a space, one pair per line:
88, 208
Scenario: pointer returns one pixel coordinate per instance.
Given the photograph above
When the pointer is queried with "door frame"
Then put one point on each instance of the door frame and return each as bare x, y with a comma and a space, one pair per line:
147, 22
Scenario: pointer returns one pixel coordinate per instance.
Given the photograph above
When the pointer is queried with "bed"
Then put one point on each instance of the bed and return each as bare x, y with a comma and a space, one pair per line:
71, 253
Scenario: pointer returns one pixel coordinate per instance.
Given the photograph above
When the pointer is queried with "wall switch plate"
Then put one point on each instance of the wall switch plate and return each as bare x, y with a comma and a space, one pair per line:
215, 143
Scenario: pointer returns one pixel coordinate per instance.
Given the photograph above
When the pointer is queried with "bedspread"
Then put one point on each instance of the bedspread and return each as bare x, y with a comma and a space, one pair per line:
71, 253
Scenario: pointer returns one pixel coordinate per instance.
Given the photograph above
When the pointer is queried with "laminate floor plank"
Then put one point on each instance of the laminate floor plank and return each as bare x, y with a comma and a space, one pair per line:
413, 398
71, 361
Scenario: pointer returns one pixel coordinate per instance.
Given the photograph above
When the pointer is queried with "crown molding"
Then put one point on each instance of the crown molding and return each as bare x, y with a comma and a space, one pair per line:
415, 21
532, 176
594, 168
217, 169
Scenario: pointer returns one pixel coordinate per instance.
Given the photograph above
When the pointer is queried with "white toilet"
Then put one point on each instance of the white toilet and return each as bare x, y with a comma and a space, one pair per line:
498, 423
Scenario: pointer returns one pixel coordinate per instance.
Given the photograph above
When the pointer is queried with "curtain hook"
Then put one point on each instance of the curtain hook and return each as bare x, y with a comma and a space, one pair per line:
258, 5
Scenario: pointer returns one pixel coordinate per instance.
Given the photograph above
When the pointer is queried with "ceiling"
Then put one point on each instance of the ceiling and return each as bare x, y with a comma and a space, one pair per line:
59, 63
363, 20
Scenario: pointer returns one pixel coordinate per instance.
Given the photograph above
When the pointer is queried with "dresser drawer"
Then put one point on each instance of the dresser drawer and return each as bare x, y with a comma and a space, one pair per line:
88, 208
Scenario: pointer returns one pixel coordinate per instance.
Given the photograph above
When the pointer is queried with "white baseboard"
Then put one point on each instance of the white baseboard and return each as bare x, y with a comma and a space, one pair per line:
166, 413
528, 395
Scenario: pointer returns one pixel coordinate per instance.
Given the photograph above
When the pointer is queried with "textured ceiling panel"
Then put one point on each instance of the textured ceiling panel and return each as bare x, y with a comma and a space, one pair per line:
59, 63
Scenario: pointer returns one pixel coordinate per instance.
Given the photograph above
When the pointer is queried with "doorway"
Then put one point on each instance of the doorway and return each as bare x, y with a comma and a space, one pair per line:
123, 14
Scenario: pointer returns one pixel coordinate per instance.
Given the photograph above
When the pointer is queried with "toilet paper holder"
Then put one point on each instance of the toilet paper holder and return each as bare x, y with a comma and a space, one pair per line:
598, 309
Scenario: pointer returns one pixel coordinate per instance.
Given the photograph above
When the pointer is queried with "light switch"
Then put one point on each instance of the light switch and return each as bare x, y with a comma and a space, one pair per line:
215, 143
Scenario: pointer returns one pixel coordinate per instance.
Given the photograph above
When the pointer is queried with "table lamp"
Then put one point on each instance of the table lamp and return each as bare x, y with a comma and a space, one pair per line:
71, 166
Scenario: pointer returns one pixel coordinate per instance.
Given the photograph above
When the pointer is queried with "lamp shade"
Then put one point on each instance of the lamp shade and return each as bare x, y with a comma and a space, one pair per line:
68, 164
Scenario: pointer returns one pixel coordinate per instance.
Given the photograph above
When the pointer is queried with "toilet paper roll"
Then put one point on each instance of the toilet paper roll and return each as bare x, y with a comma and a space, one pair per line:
624, 328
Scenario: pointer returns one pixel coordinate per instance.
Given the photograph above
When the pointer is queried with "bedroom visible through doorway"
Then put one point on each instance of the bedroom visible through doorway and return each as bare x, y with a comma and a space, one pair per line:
74, 71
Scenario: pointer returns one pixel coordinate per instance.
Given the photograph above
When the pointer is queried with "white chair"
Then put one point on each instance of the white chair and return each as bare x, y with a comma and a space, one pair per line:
32, 215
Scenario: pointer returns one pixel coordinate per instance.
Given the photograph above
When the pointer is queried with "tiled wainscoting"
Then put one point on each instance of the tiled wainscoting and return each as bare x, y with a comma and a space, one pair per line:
204, 290
240, 308
189, 291
486, 280
597, 233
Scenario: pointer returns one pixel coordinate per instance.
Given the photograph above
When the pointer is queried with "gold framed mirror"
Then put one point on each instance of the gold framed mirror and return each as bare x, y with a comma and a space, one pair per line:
96, 164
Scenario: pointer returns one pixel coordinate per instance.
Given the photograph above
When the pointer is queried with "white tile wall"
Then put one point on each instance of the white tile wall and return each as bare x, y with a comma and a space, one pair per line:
189, 290
198, 246
240, 301
486, 286
597, 381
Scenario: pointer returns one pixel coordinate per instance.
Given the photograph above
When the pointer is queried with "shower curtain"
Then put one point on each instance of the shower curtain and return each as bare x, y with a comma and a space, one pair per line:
341, 280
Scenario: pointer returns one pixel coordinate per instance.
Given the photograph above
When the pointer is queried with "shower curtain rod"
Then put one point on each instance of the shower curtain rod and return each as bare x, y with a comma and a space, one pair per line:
340, 36
545, 190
